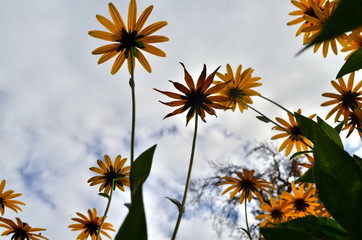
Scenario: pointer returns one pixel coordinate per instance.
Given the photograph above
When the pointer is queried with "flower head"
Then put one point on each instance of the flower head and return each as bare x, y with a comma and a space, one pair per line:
293, 133
348, 98
90, 226
302, 200
198, 99
20, 230
313, 14
111, 172
354, 122
247, 184
128, 40
6, 199
239, 88
354, 44
277, 210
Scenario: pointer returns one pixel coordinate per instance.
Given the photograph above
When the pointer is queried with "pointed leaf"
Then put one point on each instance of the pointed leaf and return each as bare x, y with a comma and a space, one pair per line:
330, 131
104, 195
307, 177
353, 63
299, 153
134, 226
263, 119
176, 202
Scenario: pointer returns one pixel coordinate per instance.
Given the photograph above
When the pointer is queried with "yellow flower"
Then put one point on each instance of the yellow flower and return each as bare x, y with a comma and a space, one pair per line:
20, 230
6, 199
313, 14
354, 122
238, 90
354, 44
303, 201
111, 172
293, 133
90, 226
199, 99
277, 212
348, 99
247, 184
130, 39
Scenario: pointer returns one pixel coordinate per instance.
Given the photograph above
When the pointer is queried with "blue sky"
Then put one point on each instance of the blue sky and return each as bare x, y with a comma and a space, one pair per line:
60, 111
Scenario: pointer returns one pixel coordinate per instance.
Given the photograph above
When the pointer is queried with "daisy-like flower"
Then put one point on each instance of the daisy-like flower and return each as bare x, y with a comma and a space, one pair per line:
293, 133
247, 184
354, 122
6, 199
20, 230
302, 200
111, 172
348, 98
128, 40
198, 99
313, 14
277, 210
354, 44
239, 88
310, 160
90, 226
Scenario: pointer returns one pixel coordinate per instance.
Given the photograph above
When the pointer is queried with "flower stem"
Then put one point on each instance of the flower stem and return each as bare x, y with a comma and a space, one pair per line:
106, 211
246, 220
275, 103
182, 209
132, 85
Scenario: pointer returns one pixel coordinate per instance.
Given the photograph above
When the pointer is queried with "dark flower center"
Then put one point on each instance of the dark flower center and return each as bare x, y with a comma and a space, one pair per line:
276, 214
129, 41
196, 100
92, 228
20, 234
296, 132
247, 185
349, 100
111, 176
300, 205
235, 94
310, 12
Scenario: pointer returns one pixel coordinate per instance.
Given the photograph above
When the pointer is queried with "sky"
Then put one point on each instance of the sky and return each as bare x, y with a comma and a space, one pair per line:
60, 111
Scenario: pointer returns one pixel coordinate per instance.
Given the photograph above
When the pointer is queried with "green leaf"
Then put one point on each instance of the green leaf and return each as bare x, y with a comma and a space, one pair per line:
337, 176
104, 195
263, 119
309, 227
134, 226
307, 177
353, 63
330, 131
299, 153
346, 17
339, 127
177, 203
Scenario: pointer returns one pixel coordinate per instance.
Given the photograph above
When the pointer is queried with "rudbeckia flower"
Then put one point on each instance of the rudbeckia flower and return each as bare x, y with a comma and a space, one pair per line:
128, 39
90, 226
20, 230
313, 14
247, 184
354, 44
198, 99
302, 199
354, 122
6, 199
277, 210
111, 172
293, 133
239, 90
348, 98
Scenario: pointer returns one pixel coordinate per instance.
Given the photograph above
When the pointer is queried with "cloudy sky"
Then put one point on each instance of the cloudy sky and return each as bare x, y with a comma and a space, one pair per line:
60, 111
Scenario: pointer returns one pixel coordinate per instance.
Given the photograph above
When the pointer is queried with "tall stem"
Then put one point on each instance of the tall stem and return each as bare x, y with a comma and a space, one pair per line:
275, 103
182, 209
132, 85
106, 211
246, 219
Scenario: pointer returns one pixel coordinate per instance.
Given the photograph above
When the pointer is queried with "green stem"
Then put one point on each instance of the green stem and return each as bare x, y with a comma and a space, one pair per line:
132, 85
278, 125
106, 211
246, 220
275, 103
182, 209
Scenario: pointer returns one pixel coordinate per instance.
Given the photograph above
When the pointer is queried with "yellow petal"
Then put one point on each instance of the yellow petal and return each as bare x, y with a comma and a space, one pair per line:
117, 19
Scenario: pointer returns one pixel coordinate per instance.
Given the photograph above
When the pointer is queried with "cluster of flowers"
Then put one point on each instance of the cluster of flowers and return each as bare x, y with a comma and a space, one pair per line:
19, 229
